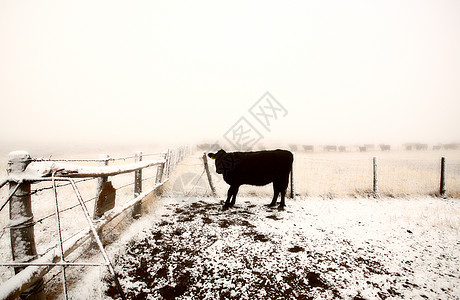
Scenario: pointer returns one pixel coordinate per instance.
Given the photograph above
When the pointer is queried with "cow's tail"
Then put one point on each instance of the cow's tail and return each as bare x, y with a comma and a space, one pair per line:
291, 179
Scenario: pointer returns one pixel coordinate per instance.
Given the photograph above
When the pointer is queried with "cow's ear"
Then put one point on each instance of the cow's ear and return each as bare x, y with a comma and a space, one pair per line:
211, 155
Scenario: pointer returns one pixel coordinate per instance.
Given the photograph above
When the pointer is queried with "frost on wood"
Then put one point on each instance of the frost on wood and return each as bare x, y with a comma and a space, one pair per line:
37, 170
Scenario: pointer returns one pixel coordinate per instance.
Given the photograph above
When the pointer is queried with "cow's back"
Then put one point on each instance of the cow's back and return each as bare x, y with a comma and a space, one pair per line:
260, 167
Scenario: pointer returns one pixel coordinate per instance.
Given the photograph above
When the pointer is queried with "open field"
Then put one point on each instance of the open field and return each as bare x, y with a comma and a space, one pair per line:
333, 204
329, 175
400, 173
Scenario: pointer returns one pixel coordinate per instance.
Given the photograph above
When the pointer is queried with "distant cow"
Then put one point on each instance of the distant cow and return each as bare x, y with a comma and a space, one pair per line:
293, 147
330, 148
254, 168
309, 148
385, 147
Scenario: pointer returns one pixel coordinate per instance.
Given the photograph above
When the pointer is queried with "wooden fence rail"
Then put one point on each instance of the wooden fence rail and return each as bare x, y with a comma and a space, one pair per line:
24, 171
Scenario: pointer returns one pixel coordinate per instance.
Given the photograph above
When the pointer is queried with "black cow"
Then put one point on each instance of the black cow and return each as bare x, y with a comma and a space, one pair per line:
254, 168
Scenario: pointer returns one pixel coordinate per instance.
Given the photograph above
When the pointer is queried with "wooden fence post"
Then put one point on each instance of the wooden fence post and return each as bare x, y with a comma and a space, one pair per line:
159, 177
206, 167
160, 171
168, 163
173, 159
137, 209
104, 161
376, 179
22, 236
442, 186
292, 194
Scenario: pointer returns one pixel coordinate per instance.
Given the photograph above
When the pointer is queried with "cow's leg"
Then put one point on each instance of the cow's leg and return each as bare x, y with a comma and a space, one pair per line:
283, 194
230, 193
276, 192
235, 191
283, 188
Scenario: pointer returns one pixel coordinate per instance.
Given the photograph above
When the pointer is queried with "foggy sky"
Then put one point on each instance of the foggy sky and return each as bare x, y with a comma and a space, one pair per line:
180, 71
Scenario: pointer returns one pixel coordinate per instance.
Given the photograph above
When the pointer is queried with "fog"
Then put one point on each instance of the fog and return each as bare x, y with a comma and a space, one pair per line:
111, 73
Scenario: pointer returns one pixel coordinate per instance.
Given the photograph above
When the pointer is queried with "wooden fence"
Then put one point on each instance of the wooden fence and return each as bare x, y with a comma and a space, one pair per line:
24, 171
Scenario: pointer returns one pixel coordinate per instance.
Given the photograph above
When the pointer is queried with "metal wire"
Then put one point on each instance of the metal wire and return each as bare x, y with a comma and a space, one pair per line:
68, 159
116, 225
66, 209
96, 237
57, 213
60, 185
187, 194
4, 181
11, 194
132, 183
55, 245
91, 159
77, 205
61, 248
26, 264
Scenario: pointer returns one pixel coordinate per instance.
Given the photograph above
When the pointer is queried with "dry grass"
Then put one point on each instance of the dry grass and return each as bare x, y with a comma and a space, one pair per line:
331, 175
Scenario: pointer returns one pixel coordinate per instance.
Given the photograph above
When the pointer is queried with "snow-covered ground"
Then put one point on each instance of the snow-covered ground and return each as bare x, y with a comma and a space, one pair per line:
323, 245
340, 248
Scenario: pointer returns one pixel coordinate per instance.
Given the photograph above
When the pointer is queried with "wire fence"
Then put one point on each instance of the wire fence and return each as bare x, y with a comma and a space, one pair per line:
333, 175
71, 215
352, 175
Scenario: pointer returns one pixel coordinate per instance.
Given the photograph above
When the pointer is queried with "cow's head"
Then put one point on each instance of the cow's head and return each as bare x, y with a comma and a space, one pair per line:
219, 156
226, 163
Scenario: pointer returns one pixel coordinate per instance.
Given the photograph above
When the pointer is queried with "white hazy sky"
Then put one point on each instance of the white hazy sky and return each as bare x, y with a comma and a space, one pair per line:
159, 71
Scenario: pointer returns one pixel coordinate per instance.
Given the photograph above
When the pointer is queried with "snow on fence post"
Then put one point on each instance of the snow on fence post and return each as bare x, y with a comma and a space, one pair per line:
206, 167
22, 237
376, 179
137, 209
292, 193
442, 186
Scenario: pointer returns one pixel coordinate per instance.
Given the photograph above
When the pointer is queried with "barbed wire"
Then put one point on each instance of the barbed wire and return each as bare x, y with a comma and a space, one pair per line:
39, 159
124, 216
86, 201
82, 252
196, 183
73, 260
177, 154
64, 210
35, 191
132, 183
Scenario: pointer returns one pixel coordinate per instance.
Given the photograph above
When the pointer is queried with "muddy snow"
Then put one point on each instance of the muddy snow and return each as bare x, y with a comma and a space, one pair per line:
314, 249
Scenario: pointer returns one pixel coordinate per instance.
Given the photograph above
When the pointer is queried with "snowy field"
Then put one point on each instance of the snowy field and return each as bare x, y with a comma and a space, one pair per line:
333, 241
340, 248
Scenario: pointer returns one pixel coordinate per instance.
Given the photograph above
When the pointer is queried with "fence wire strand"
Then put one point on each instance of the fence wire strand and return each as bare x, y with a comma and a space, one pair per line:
172, 162
39, 159
36, 191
